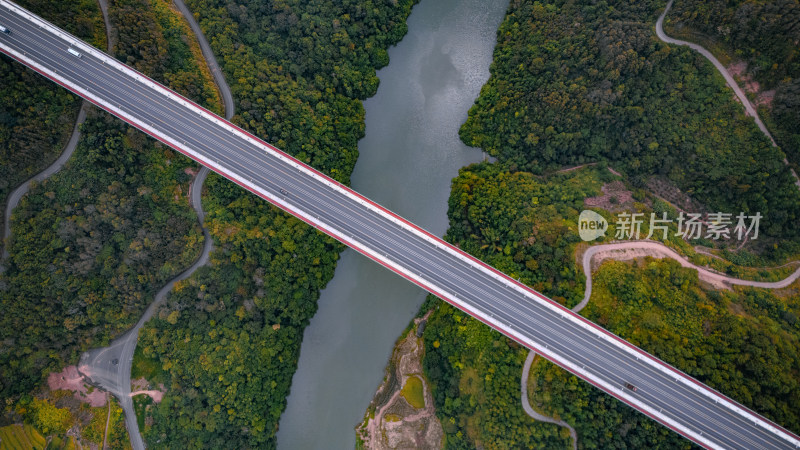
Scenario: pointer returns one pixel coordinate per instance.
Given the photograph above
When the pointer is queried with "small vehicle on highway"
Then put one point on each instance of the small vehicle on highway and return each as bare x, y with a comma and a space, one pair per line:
74, 52
630, 386
4, 30
284, 192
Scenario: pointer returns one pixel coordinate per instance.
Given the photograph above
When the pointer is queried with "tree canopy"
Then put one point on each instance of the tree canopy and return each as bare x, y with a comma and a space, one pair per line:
577, 82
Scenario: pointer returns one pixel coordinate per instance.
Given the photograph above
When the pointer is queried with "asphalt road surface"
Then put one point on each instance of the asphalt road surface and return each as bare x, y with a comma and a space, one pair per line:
751, 111
17, 194
606, 361
110, 367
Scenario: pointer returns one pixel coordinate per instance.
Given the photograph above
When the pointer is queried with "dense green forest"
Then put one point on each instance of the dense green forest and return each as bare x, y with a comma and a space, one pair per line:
579, 82
79, 17
519, 224
743, 343
36, 119
92, 244
152, 42
299, 69
575, 82
36, 115
90, 247
523, 226
474, 371
228, 339
764, 34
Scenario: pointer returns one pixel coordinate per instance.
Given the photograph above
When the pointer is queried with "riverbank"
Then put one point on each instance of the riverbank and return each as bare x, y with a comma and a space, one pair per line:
402, 415
407, 159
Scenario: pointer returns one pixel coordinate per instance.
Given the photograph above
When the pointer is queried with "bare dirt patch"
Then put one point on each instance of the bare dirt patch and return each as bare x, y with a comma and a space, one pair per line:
739, 71
155, 395
391, 422
765, 98
570, 169
142, 386
738, 68
655, 251
616, 197
69, 379
139, 384
752, 86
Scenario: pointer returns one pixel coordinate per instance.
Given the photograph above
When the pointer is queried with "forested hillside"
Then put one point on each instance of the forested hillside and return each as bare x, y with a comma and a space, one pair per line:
36, 116
581, 82
576, 82
298, 69
92, 244
152, 43
764, 34
526, 227
36, 119
743, 343
228, 339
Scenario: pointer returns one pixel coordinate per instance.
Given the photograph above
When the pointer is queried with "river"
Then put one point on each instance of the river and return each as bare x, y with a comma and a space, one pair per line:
407, 160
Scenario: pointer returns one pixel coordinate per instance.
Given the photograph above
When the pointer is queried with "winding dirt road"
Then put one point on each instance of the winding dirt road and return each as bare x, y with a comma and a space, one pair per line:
749, 108
17, 194
523, 384
110, 367
622, 251
211, 60
751, 111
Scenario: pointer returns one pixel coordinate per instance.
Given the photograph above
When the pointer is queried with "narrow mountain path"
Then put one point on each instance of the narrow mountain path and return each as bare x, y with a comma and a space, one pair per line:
108, 420
534, 414
211, 60
749, 108
17, 194
751, 111
110, 367
622, 251
111, 40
